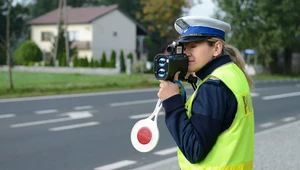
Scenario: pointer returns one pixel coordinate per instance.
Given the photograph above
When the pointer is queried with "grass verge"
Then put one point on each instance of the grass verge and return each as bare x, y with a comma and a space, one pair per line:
36, 84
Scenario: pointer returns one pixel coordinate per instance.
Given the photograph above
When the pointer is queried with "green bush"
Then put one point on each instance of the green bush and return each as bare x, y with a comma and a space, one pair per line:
62, 59
136, 67
27, 52
96, 63
130, 56
112, 62
122, 62
75, 61
93, 63
84, 62
103, 62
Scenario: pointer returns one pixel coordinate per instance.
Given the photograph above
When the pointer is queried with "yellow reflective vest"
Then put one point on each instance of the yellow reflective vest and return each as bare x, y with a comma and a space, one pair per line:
234, 148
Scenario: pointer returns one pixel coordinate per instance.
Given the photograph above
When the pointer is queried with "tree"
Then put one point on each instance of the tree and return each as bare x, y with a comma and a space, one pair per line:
40, 7
122, 62
159, 16
265, 26
61, 50
131, 7
27, 52
5, 43
103, 62
18, 29
112, 62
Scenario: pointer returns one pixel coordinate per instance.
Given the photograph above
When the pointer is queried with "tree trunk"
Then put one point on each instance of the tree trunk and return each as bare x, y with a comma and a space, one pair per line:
287, 60
274, 65
9, 2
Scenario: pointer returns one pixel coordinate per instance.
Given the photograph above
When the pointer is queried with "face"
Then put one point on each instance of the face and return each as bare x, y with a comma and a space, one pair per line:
199, 54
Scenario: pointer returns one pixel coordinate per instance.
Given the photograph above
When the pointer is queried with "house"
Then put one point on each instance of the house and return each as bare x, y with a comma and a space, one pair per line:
93, 30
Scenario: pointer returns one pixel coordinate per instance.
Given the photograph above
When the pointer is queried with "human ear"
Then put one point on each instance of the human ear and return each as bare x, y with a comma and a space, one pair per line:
218, 48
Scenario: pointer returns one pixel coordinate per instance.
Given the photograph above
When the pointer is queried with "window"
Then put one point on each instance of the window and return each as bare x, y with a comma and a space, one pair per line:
47, 36
115, 33
73, 35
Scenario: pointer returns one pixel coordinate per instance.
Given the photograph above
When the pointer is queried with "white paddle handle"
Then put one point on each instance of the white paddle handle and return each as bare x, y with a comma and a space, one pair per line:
157, 109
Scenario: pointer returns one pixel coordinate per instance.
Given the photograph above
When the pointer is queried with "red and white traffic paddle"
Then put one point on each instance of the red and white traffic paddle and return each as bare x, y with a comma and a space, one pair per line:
145, 134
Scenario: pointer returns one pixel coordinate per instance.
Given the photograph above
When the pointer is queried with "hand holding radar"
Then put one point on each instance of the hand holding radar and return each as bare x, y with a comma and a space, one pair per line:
145, 134
166, 65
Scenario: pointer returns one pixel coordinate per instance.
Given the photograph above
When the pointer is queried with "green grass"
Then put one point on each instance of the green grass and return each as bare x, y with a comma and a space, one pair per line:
276, 76
35, 84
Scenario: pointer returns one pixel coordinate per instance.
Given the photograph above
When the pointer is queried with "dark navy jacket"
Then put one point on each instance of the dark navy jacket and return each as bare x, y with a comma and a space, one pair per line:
213, 111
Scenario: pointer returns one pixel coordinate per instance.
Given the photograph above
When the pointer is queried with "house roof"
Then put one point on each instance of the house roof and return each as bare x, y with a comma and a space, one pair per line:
82, 15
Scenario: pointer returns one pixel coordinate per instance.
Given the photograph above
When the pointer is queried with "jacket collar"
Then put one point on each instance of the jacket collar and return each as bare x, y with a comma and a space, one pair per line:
212, 65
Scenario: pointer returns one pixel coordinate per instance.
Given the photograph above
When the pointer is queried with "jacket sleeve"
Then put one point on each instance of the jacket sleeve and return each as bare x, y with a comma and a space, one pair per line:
213, 111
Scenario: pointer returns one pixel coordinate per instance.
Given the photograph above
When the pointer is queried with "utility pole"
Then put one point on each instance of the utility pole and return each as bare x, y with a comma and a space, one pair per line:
62, 9
66, 32
9, 2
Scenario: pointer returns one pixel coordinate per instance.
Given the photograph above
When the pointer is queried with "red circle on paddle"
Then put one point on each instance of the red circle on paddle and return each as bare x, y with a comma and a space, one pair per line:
144, 135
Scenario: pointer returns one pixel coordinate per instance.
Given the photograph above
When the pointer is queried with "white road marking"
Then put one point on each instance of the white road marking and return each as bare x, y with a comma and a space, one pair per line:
74, 126
254, 94
288, 119
140, 116
266, 125
278, 96
71, 116
7, 116
166, 151
83, 107
116, 165
40, 122
133, 102
46, 111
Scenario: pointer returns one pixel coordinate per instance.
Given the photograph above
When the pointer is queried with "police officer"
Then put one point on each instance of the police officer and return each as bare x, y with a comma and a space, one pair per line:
214, 129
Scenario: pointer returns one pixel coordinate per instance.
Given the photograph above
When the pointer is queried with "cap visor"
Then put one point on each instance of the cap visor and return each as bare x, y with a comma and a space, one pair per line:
187, 39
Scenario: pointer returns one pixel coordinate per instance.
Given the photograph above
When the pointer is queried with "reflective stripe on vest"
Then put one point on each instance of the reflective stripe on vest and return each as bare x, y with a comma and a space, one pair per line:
234, 148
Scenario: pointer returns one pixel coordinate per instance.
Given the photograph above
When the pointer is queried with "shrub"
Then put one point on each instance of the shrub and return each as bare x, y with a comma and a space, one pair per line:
84, 62
130, 56
62, 59
112, 62
27, 52
122, 62
75, 61
136, 67
103, 60
96, 63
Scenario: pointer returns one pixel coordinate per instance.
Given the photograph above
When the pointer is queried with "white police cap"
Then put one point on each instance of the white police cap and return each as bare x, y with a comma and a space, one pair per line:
197, 28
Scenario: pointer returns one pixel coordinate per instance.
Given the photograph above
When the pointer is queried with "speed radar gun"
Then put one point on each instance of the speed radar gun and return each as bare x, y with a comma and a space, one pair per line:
145, 133
166, 65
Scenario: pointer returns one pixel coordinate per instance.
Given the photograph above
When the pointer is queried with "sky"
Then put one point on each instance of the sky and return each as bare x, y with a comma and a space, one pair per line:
206, 9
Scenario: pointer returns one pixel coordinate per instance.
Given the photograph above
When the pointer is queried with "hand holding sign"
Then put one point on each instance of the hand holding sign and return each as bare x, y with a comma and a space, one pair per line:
145, 134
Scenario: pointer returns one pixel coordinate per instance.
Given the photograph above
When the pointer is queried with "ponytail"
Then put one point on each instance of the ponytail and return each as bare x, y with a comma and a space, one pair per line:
235, 56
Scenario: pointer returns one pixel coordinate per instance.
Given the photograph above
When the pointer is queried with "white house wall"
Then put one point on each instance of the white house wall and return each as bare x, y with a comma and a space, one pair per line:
36, 36
84, 34
104, 39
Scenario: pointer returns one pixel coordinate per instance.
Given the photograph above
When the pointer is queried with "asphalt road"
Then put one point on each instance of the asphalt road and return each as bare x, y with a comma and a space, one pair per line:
92, 131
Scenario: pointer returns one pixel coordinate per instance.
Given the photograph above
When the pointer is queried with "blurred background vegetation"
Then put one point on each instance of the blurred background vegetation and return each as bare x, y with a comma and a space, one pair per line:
271, 28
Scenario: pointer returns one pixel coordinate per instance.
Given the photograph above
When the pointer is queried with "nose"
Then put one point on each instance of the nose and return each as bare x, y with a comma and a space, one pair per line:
187, 53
